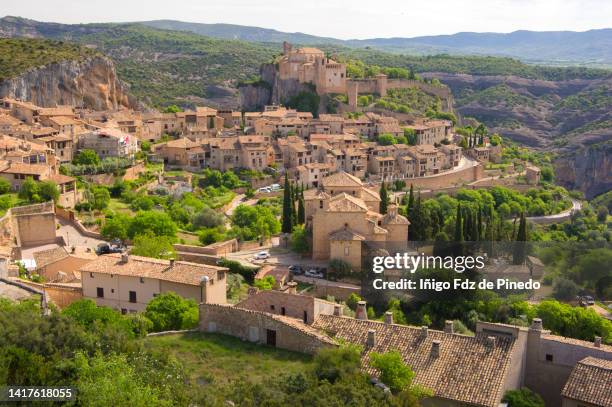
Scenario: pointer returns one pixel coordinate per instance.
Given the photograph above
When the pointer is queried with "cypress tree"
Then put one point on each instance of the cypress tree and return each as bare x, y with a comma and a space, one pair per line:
480, 226
287, 223
410, 204
419, 221
384, 199
520, 246
467, 225
458, 243
294, 214
301, 214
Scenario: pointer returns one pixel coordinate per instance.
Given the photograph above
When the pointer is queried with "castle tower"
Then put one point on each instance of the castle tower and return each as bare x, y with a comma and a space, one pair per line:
352, 91
287, 48
381, 84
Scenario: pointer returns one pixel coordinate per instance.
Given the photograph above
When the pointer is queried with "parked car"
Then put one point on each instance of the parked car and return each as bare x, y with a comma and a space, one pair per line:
275, 187
262, 255
589, 300
265, 190
107, 248
296, 269
314, 273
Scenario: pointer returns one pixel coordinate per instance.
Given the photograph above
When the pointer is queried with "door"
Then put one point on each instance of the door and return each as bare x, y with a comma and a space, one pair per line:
270, 337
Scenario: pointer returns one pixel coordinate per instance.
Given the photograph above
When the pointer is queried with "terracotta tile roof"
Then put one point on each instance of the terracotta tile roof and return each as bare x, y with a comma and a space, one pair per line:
56, 111
28, 169
346, 203
315, 194
466, 369
9, 120
345, 234
396, 219
61, 179
368, 195
578, 342
341, 179
590, 382
181, 143
182, 272
46, 257
292, 322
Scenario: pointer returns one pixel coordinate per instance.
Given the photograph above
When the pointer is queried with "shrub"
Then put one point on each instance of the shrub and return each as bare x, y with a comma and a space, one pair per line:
170, 311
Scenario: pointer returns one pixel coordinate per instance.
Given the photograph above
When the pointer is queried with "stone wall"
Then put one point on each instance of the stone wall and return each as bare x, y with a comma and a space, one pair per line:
258, 327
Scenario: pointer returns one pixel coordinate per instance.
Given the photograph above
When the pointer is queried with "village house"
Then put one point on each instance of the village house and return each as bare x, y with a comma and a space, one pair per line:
62, 264
109, 142
127, 283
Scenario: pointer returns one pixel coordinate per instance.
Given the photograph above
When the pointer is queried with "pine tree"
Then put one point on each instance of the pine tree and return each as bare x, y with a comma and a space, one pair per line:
287, 222
520, 246
301, 213
384, 199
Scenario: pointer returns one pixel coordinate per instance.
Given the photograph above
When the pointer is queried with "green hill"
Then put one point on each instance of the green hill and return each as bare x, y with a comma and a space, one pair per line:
17, 55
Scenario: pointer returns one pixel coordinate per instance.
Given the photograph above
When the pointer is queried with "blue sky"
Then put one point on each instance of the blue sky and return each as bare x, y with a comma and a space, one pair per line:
336, 18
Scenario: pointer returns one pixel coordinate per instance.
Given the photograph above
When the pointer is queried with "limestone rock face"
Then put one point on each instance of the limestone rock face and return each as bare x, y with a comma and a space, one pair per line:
588, 169
90, 83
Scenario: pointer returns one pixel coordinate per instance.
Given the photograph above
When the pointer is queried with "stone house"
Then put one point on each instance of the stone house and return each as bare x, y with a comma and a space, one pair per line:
127, 283
109, 142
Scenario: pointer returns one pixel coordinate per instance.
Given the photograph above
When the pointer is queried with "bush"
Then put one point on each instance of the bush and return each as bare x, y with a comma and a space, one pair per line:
523, 398
238, 268
266, 283
332, 364
393, 371
169, 311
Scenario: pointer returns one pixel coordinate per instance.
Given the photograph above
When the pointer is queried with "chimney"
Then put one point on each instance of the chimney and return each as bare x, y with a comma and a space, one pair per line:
597, 342
371, 338
392, 210
171, 263
388, 317
338, 310
490, 341
125, 258
291, 287
448, 327
435, 349
361, 312
424, 330
536, 325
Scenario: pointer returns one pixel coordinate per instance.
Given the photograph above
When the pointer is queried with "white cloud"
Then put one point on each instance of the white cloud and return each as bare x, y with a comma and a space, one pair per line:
338, 18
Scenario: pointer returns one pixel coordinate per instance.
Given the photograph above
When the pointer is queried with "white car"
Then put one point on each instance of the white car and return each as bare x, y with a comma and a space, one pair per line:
275, 187
314, 273
262, 255
265, 190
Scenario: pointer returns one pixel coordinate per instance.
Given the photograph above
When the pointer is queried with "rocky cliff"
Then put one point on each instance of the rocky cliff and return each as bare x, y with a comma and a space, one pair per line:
588, 169
91, 83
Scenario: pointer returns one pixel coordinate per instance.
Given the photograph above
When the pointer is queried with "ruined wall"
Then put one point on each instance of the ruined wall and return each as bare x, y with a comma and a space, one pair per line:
252, 326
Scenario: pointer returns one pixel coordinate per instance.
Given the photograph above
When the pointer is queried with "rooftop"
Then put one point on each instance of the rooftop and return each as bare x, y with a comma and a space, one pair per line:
181, 272
590, 382
341, 179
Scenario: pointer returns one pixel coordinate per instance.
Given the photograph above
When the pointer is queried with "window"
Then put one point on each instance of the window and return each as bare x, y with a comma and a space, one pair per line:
132, 296
123, 311
282, 310
305, 317
100, 292
549, 357
91, 275
112, 290
272, 307
142, 280
346, 250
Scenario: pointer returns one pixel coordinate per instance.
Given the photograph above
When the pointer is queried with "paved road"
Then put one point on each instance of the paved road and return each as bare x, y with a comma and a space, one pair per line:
73, 237
558, 217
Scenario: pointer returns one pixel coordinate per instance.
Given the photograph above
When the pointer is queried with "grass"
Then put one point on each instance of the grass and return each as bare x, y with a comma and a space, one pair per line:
221, 359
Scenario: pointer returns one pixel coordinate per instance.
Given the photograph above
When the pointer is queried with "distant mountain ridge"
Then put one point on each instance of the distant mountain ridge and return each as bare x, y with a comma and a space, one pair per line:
593, 47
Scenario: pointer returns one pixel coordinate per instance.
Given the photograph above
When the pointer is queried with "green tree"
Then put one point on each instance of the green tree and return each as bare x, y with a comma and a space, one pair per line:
86, 157
393, 371
299, 240
116, 227
48, 191
5, 186
29, 191
523, 398
208, 218
150, 245
158, 223
266, 283
410, 204
386, 139
101, 198
301, 212
169, 311
520, 248
384, 198
287, 222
